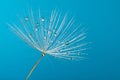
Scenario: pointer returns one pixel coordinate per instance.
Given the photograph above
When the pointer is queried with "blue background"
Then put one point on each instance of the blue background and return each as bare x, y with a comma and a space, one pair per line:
103, 20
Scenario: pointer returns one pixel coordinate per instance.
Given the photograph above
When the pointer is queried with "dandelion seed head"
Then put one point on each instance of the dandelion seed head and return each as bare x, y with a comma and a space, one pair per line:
56, 35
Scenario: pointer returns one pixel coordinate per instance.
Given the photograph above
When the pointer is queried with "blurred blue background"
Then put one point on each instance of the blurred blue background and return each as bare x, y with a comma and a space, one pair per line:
103, 20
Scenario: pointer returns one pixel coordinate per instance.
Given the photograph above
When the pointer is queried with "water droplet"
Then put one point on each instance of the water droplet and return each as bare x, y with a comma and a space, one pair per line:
57, 50
51, 41
78, 53
67, 43
26, 19
48, 43
44, 38
42, 19
55, 34
31, 34
49, 32
36, 29
67, 53
37, 24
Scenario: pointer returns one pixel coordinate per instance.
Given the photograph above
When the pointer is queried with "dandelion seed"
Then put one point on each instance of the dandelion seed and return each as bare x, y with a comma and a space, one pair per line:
59, 37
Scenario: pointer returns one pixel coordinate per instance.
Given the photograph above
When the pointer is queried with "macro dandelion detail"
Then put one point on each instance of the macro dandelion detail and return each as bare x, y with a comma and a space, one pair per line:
57, 35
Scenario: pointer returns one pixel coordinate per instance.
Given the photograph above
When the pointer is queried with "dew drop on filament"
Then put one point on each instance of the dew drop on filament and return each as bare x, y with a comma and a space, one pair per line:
44, 38
78, 53
55, 34
67, 53
67, 43
49, 32
51, 41
36, 29
42, 19
26, 19
37, 24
